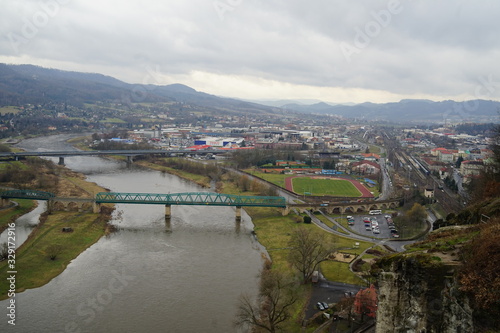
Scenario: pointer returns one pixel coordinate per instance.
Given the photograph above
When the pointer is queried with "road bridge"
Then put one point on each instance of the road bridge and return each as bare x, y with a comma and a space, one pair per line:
128, 153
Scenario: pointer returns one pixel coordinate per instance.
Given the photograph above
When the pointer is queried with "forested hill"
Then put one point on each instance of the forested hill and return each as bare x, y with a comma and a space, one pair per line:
28, 84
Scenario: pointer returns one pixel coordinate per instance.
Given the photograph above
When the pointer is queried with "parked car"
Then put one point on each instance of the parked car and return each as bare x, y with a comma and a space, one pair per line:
376, 230
395, 235
325, 305
368, 228
320, 306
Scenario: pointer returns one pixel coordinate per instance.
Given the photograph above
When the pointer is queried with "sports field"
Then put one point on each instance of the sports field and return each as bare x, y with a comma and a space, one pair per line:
325, 186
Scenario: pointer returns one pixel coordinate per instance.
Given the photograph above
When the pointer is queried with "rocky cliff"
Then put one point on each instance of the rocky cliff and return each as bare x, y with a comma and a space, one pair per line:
419, 293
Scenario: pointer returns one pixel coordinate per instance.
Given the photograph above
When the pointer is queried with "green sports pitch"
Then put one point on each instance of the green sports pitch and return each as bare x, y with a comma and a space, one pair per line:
325, 186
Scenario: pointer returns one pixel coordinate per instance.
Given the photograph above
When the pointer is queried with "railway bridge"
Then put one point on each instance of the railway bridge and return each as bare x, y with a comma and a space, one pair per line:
349, 207
189, 198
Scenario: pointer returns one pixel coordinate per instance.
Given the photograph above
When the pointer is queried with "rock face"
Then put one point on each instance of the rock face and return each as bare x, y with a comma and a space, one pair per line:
417, 294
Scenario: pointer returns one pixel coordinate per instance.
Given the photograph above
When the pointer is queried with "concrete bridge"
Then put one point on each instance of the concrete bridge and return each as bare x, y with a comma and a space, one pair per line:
128, 153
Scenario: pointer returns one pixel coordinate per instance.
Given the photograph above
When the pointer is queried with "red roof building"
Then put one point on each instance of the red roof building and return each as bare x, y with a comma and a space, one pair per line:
365, 302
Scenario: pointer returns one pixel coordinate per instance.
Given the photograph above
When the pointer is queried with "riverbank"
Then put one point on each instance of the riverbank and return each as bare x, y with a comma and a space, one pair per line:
10, 214
48, 250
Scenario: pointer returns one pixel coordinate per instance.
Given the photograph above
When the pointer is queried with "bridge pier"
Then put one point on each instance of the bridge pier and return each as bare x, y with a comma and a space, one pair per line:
168, 212
238, 213
5, 202
50, 206
285, 211
96, 207
168, 225
130, 160
61, 160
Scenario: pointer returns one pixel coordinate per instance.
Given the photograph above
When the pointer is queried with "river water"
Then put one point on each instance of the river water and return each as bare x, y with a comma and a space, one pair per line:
147, 276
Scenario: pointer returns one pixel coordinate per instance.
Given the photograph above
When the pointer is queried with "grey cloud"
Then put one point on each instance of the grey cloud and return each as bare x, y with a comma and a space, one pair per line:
437, 48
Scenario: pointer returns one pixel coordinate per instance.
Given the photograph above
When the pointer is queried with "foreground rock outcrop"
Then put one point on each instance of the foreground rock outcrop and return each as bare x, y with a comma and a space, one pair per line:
418, 293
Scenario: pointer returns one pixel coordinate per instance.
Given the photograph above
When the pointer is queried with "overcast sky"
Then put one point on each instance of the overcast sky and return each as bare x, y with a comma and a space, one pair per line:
335, 51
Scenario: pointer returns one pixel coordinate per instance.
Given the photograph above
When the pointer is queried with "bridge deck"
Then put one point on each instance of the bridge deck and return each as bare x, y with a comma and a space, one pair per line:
191, 198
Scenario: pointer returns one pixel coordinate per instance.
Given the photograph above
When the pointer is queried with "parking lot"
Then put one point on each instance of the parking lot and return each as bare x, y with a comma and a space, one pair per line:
373, 225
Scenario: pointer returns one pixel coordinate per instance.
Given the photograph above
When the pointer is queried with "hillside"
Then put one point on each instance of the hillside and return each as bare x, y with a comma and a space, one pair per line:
28, 84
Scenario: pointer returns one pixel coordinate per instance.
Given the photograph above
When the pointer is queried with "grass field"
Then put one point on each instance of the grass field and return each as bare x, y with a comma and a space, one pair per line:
325, 186
9, 109
275, 178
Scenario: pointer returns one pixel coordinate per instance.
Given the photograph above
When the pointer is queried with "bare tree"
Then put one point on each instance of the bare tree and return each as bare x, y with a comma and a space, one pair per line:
308, 250
272, 308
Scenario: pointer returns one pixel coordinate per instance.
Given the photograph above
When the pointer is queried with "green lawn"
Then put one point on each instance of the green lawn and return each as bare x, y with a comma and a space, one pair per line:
325, 186
275, 178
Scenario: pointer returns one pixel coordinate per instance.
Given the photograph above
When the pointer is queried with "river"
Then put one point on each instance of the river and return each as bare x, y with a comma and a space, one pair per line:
146, 277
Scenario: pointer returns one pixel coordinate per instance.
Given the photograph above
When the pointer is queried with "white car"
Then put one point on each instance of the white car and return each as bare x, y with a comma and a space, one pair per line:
376, 230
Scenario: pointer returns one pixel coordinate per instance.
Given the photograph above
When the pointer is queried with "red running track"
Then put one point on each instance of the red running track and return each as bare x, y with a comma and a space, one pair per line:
365, 193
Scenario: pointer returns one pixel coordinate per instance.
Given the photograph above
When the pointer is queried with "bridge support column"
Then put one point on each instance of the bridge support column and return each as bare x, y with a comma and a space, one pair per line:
130, 160
168, 211
96, 207
238, 213
285, 211
5, 202
50, 206
168, 225
61, 160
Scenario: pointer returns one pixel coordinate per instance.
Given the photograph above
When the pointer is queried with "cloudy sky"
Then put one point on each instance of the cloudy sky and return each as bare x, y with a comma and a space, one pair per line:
335, 51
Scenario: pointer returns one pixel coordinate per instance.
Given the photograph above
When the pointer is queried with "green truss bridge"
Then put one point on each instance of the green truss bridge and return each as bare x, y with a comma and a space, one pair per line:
189, 198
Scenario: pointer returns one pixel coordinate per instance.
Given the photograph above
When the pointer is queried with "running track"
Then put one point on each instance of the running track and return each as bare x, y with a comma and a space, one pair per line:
364, 191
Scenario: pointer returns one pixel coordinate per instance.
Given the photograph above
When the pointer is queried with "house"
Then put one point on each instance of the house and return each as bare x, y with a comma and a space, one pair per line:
365, 168
371, 157
446, 156
365, 302
471, 168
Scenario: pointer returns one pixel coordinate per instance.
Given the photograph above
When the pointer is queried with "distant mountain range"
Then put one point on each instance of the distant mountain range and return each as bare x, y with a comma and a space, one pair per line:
416, 110
23, 84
